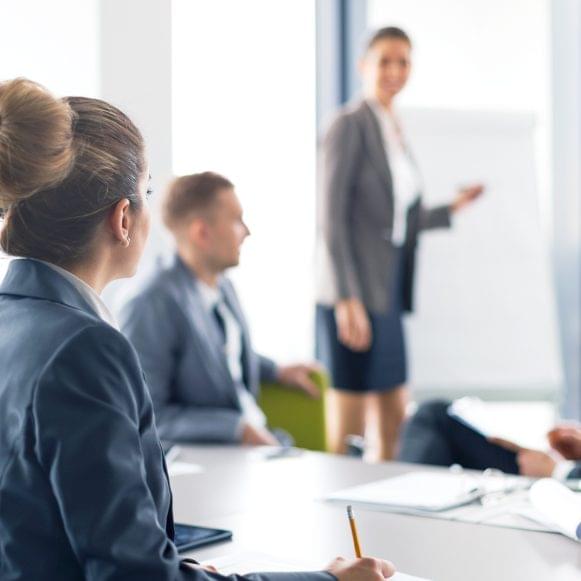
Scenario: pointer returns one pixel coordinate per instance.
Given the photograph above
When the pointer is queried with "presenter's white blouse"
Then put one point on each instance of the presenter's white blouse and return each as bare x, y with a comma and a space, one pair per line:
404, 174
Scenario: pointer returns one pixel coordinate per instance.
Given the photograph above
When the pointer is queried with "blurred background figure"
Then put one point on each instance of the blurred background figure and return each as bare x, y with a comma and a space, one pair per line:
432, 436
190, 331
371, 218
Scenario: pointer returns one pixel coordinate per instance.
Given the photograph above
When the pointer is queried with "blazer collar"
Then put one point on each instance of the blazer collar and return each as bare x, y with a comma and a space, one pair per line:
33, 279
183, 272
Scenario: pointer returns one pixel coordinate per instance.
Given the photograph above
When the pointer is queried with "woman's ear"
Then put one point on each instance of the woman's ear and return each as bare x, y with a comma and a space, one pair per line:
120, 221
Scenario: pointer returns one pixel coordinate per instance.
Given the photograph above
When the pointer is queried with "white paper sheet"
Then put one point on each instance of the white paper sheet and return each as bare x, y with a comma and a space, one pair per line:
250, 562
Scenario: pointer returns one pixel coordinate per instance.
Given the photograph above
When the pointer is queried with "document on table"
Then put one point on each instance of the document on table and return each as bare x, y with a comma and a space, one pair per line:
250, 562
422, 491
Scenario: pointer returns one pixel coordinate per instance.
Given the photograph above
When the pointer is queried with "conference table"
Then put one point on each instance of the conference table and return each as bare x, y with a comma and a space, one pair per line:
274, 506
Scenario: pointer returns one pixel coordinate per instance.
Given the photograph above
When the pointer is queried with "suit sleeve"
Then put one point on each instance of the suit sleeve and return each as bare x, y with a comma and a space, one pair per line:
152, 325
268, 369
341, 149
87, 411
575, 472
432, 218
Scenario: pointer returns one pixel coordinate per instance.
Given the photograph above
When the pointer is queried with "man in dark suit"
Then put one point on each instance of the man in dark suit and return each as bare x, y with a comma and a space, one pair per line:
189, 329
432, 436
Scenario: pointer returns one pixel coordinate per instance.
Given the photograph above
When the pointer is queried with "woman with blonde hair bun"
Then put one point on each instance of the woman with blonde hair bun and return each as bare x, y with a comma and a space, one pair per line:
84, 492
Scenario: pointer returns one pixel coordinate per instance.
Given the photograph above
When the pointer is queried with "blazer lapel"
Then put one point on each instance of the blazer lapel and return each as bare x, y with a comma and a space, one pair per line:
207, 334
375, 142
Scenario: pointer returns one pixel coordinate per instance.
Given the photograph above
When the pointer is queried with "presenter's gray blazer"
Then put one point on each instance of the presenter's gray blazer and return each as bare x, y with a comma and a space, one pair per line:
356, 208
181, 351
84, 493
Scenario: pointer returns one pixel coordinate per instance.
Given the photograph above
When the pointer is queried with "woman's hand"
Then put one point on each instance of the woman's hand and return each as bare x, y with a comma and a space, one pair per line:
353, 325
466, 196
364, 569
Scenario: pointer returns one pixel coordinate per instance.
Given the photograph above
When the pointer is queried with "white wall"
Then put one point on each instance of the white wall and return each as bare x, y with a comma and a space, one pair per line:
136, 75
52, 42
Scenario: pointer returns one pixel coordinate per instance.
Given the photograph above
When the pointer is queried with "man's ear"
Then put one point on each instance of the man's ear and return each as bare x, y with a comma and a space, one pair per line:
120, 221
197, 231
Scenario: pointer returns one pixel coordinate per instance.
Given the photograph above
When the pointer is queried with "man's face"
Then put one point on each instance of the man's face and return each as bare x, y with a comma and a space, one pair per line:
225, 231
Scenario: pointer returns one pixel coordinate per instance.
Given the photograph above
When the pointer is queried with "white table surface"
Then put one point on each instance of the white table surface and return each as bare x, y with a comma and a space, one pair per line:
275, 507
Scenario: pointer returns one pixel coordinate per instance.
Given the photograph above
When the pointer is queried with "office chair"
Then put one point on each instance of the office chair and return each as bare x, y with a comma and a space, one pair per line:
296, 413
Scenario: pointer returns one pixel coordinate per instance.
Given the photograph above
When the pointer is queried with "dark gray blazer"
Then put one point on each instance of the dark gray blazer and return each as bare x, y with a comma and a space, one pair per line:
356, 208
84, 493
181, 351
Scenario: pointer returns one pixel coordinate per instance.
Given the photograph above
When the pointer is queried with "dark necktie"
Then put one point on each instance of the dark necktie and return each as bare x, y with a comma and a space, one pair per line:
220, 322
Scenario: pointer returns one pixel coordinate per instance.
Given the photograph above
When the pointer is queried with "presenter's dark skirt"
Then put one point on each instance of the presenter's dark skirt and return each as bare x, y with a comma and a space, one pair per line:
381, 368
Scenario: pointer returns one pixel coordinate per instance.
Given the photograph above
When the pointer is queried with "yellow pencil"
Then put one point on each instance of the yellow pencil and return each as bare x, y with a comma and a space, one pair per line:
354, 532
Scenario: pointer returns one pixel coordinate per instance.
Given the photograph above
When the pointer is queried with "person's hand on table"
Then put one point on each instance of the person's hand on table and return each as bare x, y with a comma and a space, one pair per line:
567, 441
466, 196
299, 376
253, 436
364, 569
535, 463
532, 463
353, 325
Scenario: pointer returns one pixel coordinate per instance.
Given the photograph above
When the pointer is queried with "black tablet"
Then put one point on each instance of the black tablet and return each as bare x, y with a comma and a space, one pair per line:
188, 537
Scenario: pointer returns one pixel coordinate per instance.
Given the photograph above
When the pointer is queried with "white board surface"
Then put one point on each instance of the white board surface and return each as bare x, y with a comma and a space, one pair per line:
485, 309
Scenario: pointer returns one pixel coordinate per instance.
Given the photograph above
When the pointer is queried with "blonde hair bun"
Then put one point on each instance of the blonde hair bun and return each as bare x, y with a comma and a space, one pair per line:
36, 140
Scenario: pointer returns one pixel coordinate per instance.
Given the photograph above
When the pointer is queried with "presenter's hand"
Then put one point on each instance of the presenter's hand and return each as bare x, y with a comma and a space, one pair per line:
466, 196
299, 376
353, 325
535, 463
364, 569
567, 441
253, 436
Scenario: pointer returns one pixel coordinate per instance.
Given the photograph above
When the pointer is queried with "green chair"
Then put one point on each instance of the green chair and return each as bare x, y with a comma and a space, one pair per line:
295, 412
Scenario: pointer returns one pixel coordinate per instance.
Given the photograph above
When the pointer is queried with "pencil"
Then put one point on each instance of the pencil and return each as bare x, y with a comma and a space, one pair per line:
354, 532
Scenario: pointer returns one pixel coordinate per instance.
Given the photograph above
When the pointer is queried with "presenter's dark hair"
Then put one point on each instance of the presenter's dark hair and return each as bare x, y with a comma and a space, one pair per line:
64, 163
191, 194
388, 33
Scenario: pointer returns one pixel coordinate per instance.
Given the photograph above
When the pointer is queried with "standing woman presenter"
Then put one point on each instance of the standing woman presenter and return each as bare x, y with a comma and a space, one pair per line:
371, 216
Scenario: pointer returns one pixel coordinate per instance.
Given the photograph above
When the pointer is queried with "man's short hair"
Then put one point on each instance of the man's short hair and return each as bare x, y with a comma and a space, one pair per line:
191, 194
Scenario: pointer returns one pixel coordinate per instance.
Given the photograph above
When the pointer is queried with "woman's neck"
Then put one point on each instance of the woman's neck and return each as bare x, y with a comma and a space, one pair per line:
385, 102
90, 275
